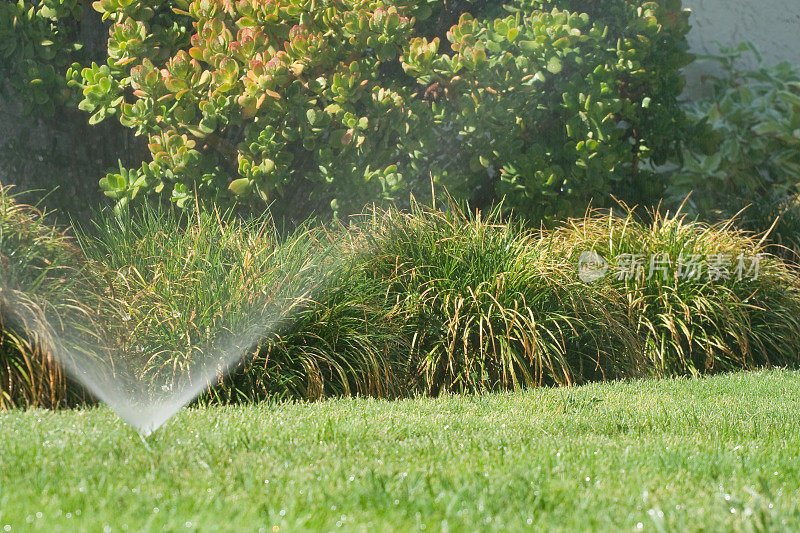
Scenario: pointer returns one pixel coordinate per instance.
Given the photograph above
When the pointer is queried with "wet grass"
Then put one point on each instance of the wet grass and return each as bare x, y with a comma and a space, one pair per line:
716, 454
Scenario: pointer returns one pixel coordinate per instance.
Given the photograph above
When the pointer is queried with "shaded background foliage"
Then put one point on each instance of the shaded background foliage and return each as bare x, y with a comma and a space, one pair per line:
750, 157
45, 141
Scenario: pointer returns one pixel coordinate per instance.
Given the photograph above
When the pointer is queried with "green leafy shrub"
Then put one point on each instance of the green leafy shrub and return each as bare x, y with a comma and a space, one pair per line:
778, 216
240, 99
345, 102
39, 41
559, 102
46, 141
752, 151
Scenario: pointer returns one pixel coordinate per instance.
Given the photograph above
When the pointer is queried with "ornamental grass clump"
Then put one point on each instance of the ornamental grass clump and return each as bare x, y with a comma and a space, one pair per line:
701, 298
346, 340
195, 285
43, 282
488, 308
426, 301
190, 281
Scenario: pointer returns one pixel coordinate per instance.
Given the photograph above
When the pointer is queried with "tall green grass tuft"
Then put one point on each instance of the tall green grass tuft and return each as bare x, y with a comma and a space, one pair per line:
488, 305
395, 304
688, 321
345, 340
42, 279
192, 285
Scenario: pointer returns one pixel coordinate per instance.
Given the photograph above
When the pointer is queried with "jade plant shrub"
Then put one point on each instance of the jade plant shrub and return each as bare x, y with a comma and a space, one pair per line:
241, 99
39, 41
752, 150
546, 103
560, 102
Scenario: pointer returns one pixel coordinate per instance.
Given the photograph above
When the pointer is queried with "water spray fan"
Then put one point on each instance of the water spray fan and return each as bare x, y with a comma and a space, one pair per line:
62, 308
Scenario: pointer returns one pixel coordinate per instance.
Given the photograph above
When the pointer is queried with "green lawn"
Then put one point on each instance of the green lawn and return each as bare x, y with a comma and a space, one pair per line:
713, 454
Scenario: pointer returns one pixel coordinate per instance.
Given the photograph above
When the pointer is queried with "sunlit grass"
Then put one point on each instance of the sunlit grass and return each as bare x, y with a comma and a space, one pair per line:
488, 305
716, 454
190, 283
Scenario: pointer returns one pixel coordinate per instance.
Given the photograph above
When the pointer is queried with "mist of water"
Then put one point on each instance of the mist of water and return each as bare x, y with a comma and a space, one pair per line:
109, 371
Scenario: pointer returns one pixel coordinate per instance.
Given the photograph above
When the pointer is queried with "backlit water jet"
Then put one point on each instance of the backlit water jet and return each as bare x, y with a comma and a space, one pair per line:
112, 371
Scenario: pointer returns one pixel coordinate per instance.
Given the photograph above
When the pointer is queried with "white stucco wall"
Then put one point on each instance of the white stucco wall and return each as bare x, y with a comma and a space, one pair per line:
772, 25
